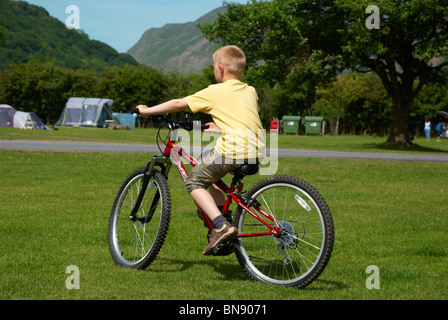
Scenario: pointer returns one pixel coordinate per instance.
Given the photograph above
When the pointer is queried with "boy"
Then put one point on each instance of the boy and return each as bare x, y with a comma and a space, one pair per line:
233, 106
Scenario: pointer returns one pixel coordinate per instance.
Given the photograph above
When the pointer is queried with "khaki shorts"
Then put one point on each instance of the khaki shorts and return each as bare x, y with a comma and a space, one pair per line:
210, 170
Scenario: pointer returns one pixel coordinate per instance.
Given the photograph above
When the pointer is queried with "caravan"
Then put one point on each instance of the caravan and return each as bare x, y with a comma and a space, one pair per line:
86, 112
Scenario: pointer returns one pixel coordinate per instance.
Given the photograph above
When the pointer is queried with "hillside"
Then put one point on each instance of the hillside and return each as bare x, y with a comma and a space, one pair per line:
29, 32
176, 47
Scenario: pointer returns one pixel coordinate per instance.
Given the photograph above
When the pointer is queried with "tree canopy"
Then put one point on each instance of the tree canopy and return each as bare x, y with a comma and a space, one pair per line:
44, 88
28, 32
295, 41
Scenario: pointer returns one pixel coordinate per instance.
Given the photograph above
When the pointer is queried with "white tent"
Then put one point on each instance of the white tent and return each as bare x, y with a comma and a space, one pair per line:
11, 118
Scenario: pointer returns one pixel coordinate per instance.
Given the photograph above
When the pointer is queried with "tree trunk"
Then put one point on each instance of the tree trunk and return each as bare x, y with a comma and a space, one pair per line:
400, 87
399, 132
337, 124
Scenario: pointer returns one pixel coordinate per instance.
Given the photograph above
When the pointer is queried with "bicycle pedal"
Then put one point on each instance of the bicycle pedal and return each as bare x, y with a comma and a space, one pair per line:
223, 249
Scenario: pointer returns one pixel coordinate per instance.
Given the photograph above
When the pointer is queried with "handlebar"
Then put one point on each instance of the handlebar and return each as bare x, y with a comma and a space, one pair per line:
172, 123
135, 111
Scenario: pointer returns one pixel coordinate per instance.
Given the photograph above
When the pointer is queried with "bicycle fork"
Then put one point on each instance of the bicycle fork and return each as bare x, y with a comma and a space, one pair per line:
133, 217
159, 161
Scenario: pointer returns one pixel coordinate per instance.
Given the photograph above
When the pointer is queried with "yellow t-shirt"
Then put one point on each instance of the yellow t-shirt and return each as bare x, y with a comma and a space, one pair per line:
233, 106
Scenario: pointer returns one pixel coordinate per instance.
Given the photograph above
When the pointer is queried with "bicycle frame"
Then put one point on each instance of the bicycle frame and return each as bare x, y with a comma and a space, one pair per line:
173, 153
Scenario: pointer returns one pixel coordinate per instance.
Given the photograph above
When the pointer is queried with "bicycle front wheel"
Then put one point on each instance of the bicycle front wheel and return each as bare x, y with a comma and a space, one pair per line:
135, 241
298, 254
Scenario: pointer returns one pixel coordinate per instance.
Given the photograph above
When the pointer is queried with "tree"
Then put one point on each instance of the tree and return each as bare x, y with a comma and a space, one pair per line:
36, 87
355, 103
44, 88
373, 112
404, 42
408, 50
130, 86
335, 99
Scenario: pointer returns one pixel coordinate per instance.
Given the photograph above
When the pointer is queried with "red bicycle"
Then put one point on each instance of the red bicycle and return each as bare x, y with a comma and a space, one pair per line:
285, 228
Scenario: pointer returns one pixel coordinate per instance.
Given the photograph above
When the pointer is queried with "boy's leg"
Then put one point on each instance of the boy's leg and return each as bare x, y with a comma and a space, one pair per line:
217, 195
206, 202
201, 178
223, 231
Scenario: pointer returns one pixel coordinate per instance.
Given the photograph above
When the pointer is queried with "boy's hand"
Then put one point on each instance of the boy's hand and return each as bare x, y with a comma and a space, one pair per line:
212, 128
141, 109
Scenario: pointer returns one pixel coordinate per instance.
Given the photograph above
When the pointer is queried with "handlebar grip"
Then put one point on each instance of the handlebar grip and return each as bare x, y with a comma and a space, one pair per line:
135, 110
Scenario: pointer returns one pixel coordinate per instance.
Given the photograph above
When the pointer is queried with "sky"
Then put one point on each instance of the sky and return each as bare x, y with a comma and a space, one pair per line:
121, 23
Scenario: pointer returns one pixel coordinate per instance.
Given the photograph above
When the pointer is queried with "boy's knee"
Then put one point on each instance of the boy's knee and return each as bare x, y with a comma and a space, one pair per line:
191, 184
189, 187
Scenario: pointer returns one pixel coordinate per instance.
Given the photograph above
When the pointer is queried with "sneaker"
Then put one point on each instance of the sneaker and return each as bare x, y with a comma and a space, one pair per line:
226, 233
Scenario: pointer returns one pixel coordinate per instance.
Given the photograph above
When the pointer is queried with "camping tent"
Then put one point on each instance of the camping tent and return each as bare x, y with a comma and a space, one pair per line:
11, 118
6, 116
86, 112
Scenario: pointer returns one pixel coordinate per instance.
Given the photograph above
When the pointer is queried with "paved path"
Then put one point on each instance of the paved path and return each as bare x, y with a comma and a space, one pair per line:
66, 146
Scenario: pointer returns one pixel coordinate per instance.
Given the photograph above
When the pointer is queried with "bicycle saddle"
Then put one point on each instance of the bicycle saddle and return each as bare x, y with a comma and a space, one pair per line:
246, 170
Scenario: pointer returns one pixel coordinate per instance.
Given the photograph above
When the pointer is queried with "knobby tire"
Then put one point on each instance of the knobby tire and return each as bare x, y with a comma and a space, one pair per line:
301, 252
135, 243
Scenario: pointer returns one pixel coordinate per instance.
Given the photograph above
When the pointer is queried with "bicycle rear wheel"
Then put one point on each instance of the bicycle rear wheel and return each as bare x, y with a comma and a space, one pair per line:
134, 242
300, 252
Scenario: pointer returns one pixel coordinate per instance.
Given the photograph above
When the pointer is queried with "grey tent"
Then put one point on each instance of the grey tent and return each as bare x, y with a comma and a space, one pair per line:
86, 112
11, 118
7, 116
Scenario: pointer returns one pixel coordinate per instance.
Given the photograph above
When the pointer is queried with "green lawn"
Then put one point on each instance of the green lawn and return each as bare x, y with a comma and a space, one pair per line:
55, 207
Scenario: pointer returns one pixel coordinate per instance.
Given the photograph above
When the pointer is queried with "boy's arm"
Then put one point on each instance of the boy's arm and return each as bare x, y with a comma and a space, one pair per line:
175, 105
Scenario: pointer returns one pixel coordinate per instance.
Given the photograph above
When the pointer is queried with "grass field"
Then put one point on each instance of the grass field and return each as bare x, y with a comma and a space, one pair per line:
55, 208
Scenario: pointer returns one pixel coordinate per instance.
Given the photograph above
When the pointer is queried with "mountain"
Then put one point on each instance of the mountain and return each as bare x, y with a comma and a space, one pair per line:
176, 47
28, 32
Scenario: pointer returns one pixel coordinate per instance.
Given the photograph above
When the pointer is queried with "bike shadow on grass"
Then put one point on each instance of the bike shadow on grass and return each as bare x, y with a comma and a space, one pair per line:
226, 269
230, 271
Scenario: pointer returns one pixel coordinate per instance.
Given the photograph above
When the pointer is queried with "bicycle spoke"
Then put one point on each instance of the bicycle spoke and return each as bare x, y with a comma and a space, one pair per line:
291, 255
135, 241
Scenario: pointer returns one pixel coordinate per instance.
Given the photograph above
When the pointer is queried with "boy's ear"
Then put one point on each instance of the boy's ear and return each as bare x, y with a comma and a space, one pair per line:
221, 67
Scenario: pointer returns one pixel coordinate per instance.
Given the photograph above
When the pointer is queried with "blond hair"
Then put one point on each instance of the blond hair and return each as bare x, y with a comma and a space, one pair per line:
233, 58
